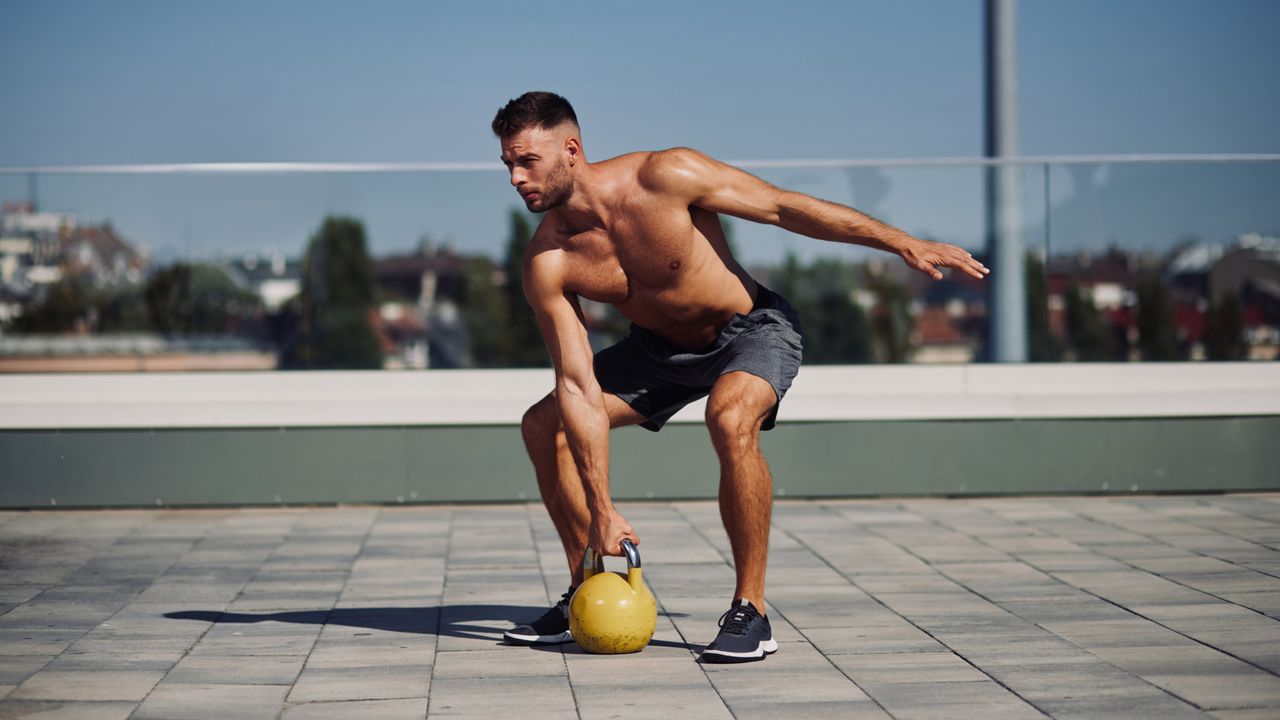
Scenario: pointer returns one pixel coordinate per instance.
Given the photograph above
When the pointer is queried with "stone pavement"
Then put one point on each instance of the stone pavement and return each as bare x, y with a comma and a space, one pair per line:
1162, 607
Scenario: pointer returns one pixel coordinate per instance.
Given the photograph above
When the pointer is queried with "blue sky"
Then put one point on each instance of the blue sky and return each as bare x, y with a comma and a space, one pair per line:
140, 82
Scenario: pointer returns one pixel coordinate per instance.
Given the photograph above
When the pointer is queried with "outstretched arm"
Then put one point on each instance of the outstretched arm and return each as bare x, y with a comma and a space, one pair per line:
578, 396
715, 186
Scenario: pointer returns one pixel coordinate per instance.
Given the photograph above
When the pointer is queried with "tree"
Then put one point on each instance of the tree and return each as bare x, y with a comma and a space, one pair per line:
1042, 346
1086, 332
1224, 330
67, 306
338, 294
836, 330
1157, 337
195, 299
891, 320
124, 310
484, 300
526, 348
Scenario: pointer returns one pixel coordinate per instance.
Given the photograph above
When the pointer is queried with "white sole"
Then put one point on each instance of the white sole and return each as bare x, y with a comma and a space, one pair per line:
766, 647
563, 637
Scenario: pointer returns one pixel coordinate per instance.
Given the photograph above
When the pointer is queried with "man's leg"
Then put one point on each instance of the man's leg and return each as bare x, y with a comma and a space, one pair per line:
558, 478
737, 407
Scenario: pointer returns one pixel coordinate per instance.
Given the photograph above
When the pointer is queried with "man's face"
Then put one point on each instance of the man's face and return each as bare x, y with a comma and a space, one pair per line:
537, 161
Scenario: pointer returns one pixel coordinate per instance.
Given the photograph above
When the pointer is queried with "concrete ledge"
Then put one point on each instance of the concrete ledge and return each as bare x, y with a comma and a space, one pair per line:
489, 397
266, 438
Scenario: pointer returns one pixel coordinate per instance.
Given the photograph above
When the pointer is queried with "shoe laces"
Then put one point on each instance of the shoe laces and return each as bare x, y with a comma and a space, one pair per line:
563, 604
737, 619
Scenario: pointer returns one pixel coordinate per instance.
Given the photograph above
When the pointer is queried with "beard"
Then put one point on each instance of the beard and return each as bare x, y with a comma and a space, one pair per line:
555, 192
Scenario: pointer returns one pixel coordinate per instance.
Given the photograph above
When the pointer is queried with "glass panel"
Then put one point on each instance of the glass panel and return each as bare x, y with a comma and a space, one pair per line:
398, 269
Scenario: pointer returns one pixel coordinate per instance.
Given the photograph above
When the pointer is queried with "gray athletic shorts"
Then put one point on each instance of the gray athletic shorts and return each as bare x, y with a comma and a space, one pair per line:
657, 379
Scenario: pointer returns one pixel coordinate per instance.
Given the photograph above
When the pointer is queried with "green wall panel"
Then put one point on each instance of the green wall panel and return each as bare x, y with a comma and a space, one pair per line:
462, 464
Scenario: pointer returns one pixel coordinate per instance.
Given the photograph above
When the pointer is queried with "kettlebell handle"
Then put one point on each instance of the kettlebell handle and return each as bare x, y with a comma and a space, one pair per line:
593, 562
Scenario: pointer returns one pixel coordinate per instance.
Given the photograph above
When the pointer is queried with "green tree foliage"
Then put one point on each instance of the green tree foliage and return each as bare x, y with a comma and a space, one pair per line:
124, 310
338, 294
1042, 346
1086, 332
1157, 337
67, 306
484, 301
891, 319
836, 328
526, 348
192, 299
1224, 330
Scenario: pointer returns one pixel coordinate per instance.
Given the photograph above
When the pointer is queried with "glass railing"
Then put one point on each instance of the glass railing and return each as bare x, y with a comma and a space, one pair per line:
415, 266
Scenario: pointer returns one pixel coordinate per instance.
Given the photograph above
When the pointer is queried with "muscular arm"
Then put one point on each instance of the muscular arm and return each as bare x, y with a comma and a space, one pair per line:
578, 395
722, 188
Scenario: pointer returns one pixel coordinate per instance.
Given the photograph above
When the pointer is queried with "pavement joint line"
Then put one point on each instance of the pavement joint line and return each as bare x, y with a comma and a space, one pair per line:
1233, 509
826, 508
1131, 611
1197, 553
537, 549
1069, 585
810, 550
444, 591
698, 530
297, 519
1125, 609
364, 541
149, 520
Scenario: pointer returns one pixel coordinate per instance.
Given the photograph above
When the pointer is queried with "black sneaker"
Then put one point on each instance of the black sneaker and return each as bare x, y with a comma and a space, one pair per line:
744, 636
550, 629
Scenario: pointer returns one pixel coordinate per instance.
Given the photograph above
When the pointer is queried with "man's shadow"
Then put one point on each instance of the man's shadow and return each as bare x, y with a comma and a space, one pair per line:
448, 620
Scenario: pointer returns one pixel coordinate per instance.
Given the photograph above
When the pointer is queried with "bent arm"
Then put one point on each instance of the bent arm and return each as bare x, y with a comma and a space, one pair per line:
578, 395
721, 188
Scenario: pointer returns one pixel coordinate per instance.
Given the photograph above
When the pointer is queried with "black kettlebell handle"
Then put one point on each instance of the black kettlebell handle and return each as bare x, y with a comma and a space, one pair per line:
594, 562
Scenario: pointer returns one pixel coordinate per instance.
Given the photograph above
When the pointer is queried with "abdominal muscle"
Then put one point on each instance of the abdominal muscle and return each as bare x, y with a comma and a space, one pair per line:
698, 301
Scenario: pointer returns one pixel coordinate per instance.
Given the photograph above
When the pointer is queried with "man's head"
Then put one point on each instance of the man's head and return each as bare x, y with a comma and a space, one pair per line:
541, 144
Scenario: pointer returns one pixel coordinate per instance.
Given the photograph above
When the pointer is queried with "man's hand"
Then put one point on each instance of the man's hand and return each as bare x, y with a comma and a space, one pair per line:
608, 530
927, 257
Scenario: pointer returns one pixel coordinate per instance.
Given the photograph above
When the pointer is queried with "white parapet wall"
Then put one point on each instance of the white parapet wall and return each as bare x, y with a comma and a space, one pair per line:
499, 397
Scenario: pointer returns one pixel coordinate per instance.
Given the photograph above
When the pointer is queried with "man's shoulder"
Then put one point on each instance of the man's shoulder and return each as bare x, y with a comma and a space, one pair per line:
670, 169
544, 255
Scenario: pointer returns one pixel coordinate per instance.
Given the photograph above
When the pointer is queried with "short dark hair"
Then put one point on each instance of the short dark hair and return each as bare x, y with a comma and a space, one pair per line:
533, 109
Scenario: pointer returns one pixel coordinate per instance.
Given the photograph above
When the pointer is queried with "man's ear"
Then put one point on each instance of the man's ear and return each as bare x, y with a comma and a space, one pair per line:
574, 148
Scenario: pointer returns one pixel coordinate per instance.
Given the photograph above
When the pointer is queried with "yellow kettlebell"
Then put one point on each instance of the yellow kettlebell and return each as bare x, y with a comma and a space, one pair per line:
610, 613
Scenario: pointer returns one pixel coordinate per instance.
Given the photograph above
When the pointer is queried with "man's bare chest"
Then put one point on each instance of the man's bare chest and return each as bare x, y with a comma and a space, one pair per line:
629, 260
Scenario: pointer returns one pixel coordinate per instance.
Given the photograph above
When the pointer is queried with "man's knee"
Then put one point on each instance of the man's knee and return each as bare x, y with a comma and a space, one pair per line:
541, 422
733, 424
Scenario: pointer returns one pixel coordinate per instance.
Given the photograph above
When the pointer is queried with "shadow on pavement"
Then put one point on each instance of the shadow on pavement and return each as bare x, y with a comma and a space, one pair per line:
448, 620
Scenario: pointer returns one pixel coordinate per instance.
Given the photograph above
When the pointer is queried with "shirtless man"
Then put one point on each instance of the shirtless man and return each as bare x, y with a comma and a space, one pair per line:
641, 232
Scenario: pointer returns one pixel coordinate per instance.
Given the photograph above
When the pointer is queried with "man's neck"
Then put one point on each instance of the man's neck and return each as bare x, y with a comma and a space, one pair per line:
587, 207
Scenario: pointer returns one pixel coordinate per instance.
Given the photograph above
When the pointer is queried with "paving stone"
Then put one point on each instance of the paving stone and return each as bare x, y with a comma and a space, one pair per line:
361, 683
16, 668
985, 699
408, 709
48, 710
181, 701
872, 669
507, 662
1084, 607
1269, 713
640, 700
236, 670
87, 685
891, 635
536, 697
